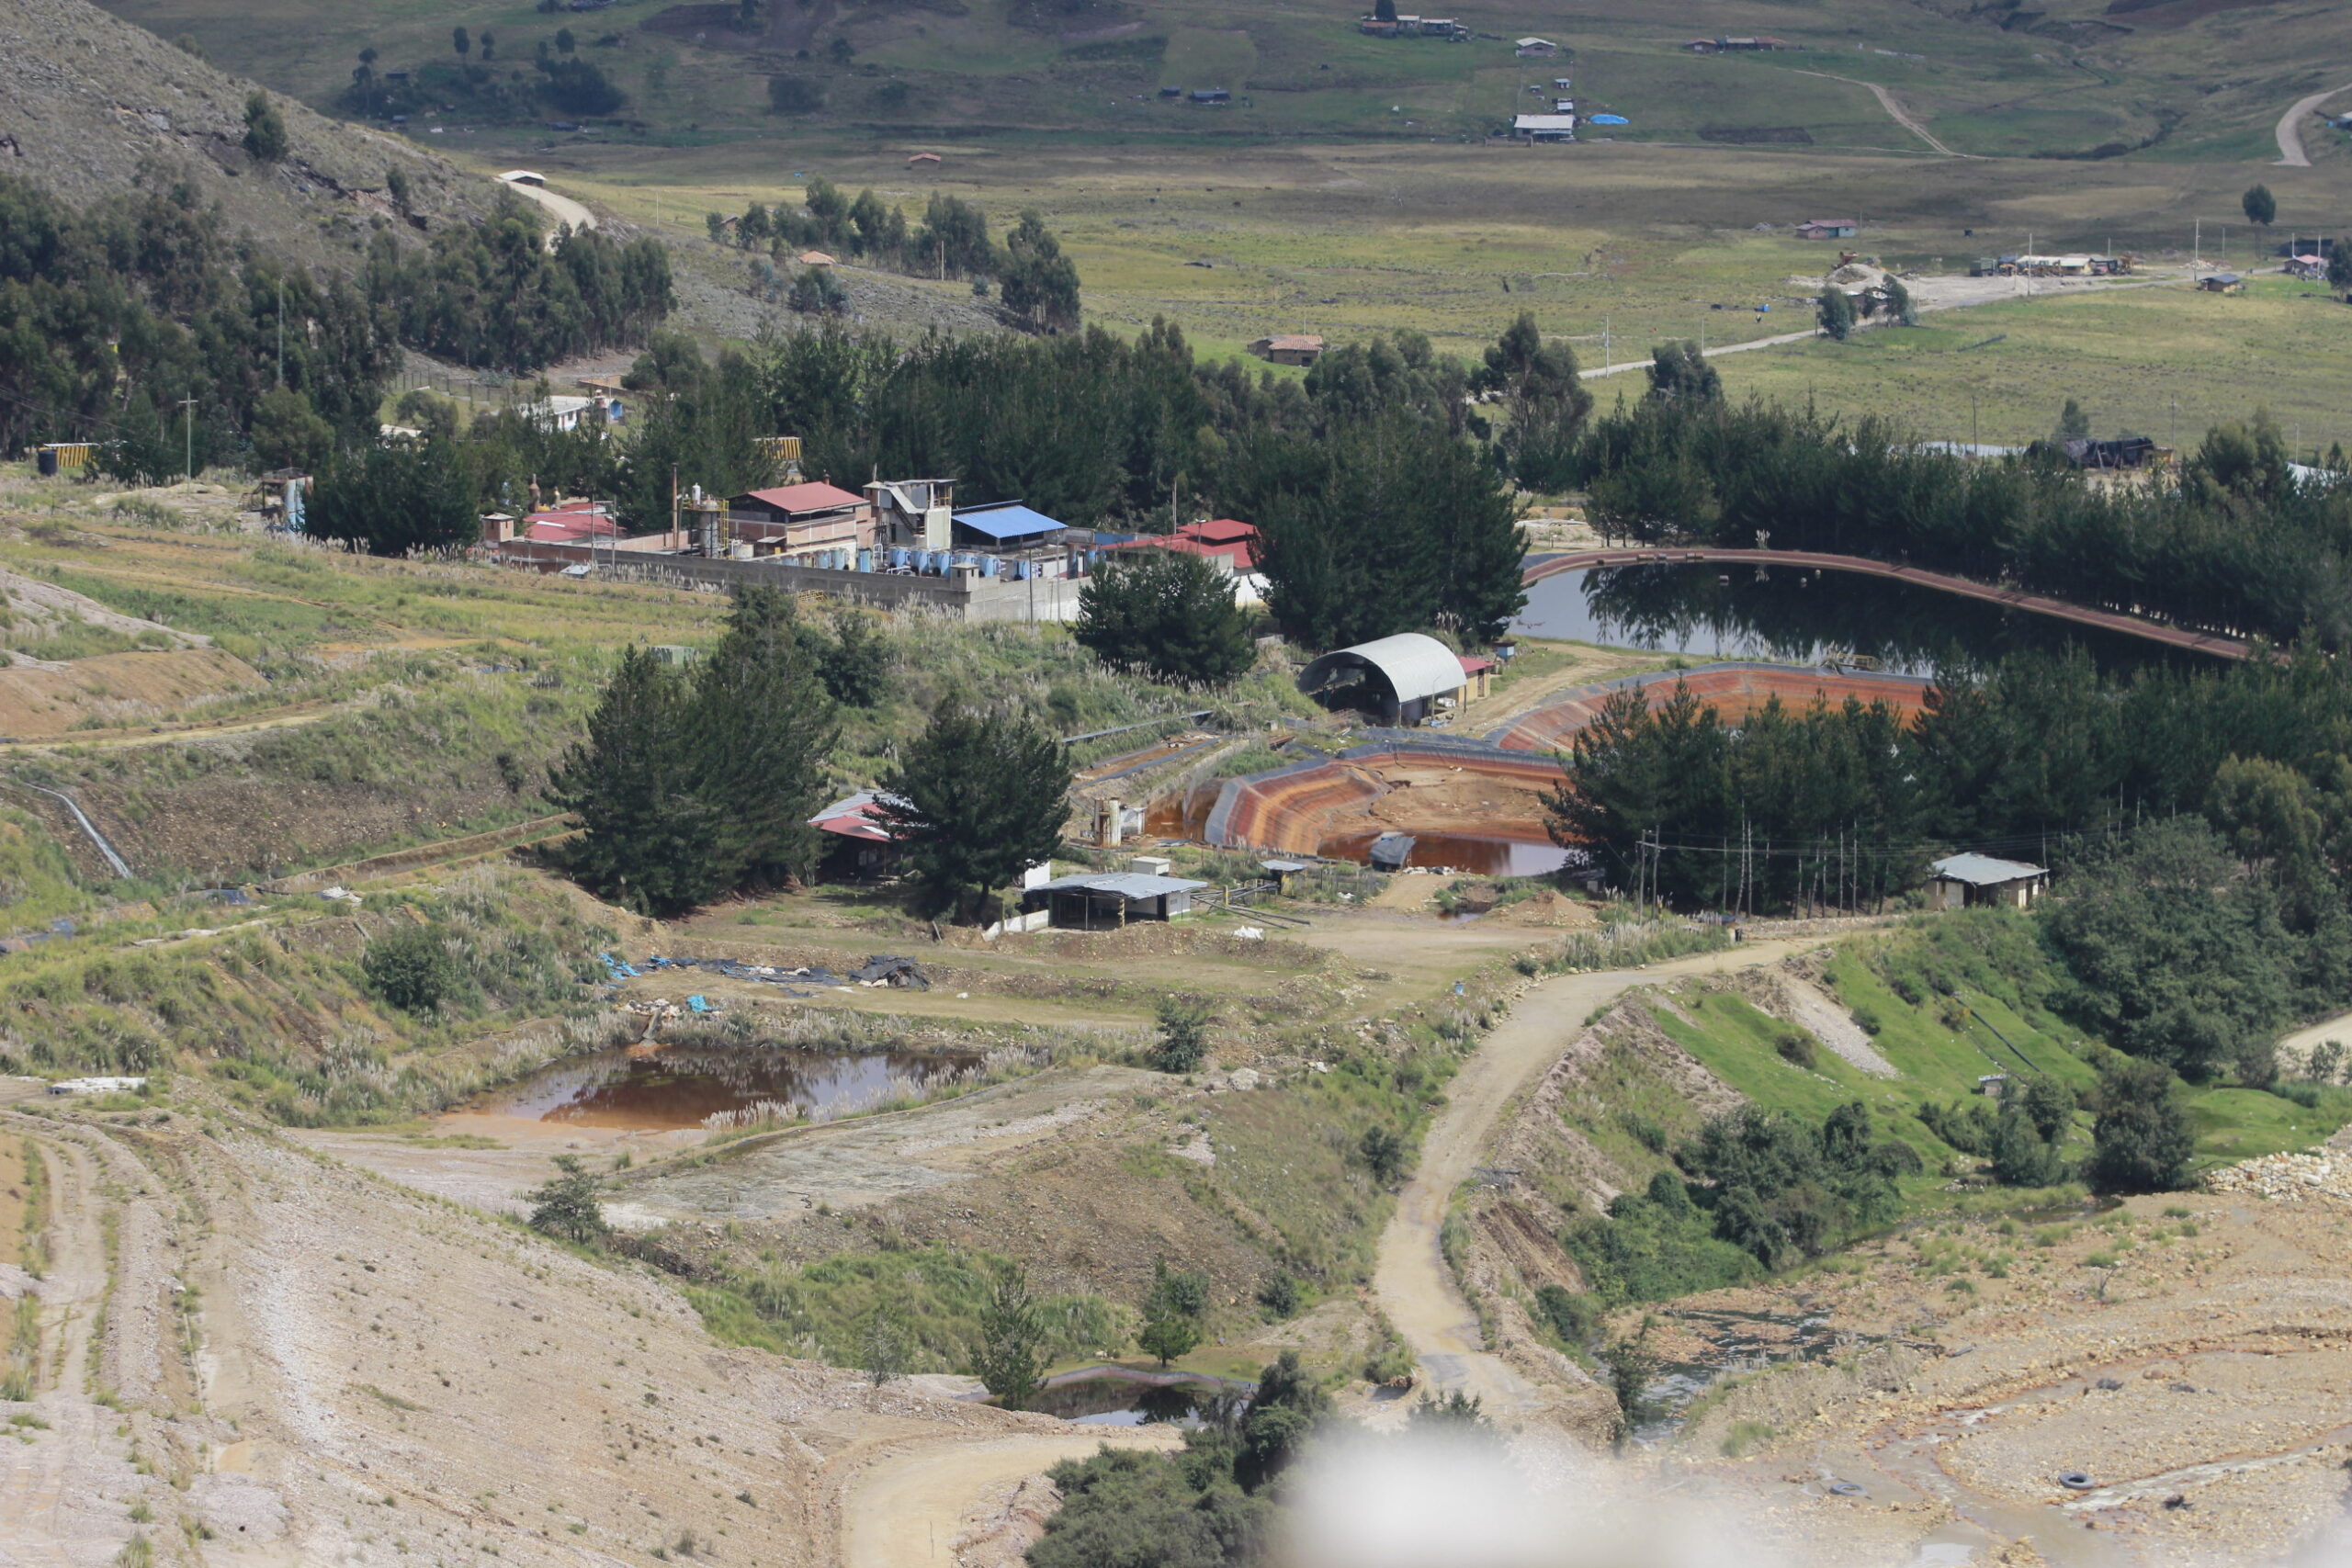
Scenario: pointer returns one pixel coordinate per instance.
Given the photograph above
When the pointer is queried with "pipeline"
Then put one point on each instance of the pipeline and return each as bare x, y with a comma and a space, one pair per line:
122, 867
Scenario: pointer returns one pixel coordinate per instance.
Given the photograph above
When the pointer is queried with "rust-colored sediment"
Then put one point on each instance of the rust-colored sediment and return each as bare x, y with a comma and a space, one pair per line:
1443, 784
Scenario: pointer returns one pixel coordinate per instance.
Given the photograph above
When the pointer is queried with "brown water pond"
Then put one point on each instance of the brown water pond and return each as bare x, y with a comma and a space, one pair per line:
671, 1087
1476, 855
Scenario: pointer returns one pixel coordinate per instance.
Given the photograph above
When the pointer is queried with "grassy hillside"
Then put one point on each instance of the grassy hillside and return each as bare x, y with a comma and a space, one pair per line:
2068, 80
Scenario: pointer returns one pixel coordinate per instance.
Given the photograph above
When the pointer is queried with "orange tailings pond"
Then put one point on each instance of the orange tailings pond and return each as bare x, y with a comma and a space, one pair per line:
1476, 804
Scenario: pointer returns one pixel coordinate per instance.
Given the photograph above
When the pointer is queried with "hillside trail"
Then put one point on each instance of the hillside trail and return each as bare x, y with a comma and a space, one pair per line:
2290, 127
1411, 1280
1896, 111
562, 208
907, 1511
50, 1489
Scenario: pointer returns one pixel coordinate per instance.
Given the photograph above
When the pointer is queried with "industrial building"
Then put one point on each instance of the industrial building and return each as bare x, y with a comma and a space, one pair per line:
1402, 679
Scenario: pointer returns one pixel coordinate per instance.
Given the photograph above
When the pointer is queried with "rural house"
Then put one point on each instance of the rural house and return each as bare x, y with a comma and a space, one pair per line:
2223, 283
1967, 881
1535, 49
1827, 229
1297, 348
805, 523
1545, 127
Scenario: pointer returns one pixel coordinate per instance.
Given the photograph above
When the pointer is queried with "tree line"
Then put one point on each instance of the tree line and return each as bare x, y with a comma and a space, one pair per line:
112, 318
2203, 820
496, 294
691, 783
2235, 545
1038, 284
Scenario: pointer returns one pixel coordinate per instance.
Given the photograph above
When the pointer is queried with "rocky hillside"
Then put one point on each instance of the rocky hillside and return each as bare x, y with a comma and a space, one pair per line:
91, 106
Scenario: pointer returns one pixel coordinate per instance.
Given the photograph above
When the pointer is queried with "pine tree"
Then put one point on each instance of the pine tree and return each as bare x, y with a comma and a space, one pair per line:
1040, 285
761, 727
1837, 312
1010, 1359
647, 829
978, 798
1167, 612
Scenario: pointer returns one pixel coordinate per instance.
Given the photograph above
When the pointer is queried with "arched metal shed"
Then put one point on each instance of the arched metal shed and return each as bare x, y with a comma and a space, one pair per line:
1400, 676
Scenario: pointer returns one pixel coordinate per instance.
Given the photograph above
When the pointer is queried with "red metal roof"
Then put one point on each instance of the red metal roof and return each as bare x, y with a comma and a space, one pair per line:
1471, 666
812, 497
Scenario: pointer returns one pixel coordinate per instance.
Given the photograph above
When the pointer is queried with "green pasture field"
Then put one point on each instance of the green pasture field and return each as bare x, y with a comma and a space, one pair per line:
2168, 362
2171, 82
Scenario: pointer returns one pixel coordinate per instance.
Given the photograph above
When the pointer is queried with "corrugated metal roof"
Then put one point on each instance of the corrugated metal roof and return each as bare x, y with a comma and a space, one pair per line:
1983, 871
1007, 520
812, 497
1126, 883
1415, 665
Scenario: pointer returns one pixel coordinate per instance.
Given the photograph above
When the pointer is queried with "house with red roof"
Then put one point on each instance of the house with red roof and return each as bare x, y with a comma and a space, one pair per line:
801, 520
1228, 541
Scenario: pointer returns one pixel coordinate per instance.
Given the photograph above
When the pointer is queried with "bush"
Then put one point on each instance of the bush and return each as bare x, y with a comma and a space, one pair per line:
1184, 1042
1169, 613
2142, 1142
1383, 1155
1571, 1317
1796, 1048
411, 968
1279, 1295
266, 138
567, 1206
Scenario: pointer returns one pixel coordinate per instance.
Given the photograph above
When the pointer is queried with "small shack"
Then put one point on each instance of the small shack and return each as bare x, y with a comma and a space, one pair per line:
1535, 49
859, 846
1293, 348
1544, 127
1826, 229
1109, 901
2223, 283
1399, 680
1974, 880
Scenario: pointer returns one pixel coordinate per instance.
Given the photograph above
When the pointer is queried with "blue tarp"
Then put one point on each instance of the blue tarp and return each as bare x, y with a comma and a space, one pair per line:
1611, 120
698, 1004
1009, 521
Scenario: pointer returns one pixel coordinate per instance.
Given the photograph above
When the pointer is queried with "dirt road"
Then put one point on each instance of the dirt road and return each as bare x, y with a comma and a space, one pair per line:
1414, 1286
907, 1511
1894, 110
562, 208
2290, 127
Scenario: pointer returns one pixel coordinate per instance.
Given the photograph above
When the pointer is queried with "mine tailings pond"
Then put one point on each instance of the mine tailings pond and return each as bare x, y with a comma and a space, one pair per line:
1122, 1396
1801, 615
666, 1087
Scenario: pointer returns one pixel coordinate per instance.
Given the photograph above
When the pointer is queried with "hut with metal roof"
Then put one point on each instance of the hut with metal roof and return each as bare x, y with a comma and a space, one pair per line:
1399, 680
1967, 881
1107, 901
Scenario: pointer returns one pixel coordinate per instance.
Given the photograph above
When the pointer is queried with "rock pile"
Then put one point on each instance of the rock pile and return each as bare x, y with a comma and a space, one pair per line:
2290, 1177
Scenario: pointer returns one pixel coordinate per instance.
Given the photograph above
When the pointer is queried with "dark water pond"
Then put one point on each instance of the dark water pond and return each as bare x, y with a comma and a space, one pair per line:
1791, 615
685, 1085
1477, 854
1113, 1398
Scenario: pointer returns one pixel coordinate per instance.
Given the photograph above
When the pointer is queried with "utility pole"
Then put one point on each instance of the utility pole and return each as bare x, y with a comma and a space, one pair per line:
189, 405
1606, 361
281, 329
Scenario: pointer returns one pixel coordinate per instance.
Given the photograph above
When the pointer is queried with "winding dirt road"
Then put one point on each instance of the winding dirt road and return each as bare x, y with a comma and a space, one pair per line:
907, 1511
562, 208
1411, 1280
1896, 111
2290, 127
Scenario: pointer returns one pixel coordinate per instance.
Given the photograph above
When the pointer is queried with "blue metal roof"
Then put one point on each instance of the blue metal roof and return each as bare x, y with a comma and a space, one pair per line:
1007, 520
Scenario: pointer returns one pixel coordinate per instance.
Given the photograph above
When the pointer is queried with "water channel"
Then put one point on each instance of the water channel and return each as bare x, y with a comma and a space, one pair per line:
665, 1087
1800, 615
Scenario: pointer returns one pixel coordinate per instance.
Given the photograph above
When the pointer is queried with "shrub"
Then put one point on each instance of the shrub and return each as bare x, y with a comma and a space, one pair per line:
1796, 1048
1572, 1317
411, 968
567, 1207
1279, 1295
1383, 1155
1184, 1041
2142, 1142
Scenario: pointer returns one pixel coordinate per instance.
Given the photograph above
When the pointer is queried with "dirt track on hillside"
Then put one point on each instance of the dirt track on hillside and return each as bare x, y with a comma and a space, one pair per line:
1411, 1280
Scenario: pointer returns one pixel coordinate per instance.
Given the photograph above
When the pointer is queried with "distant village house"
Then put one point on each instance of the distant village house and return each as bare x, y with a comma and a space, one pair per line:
1827, 229
1297, 348
1968, 881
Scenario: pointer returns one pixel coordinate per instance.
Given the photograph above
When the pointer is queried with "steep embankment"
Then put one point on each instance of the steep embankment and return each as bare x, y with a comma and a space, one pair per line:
356, 1373
91, 106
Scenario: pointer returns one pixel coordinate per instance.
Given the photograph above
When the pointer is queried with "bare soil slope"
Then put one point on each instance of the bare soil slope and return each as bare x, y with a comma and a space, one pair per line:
91, 106
361, 1374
